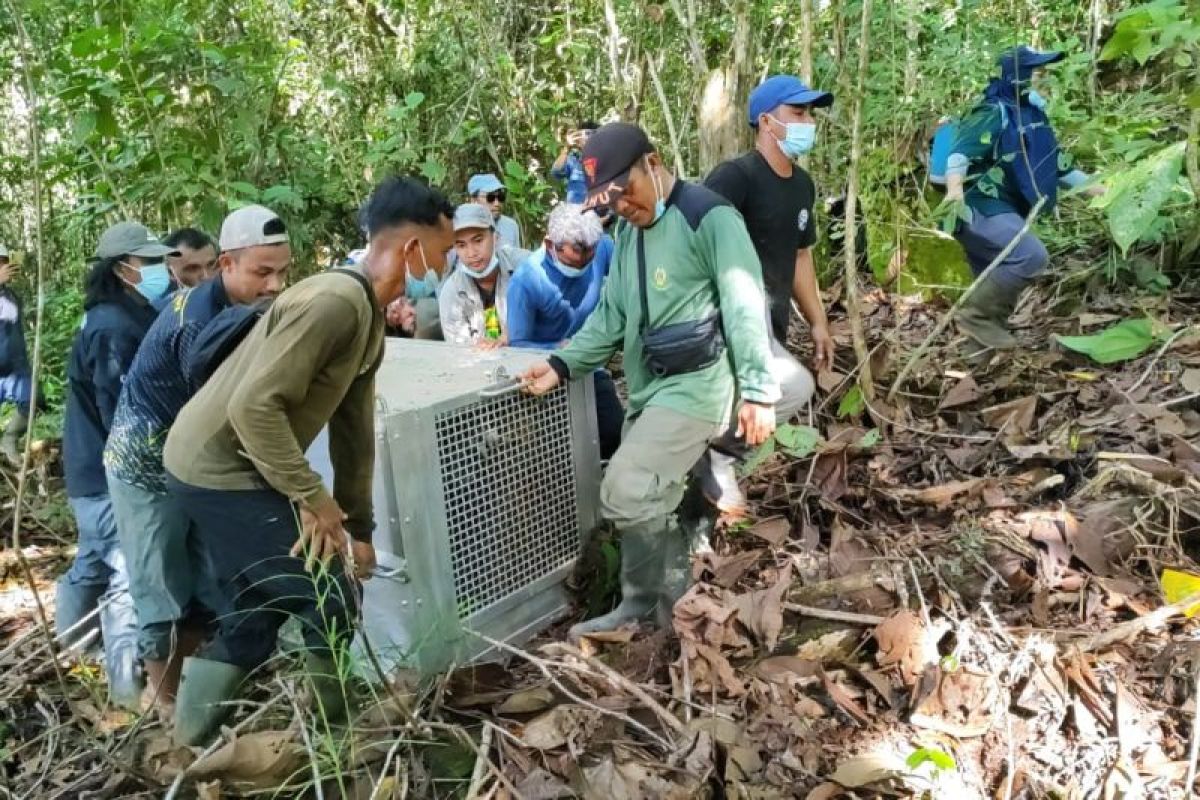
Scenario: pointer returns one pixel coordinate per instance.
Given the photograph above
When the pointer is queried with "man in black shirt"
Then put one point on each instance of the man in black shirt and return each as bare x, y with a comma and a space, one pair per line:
775, 197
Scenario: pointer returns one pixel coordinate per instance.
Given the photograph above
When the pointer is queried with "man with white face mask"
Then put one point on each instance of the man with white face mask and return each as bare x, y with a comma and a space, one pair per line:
472, 303
775, 197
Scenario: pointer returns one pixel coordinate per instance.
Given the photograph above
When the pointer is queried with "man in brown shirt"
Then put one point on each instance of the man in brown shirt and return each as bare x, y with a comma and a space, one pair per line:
281, 542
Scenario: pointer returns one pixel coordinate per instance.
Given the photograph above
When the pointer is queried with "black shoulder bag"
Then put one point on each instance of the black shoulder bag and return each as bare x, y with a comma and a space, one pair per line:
680, 348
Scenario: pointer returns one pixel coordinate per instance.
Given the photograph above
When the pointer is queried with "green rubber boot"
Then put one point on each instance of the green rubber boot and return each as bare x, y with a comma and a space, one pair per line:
642, 554
200, 707
330, 691
984, 317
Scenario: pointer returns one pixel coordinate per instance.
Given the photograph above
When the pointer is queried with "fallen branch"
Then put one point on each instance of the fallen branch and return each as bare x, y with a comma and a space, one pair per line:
834, 616
844, 585
621, 682
1134, 627
481, 763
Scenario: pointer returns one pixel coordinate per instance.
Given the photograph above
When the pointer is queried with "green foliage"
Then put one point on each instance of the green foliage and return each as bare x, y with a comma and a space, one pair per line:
1123, 341
940, 759
1136, 196
853, 403
798, 441
1148, 31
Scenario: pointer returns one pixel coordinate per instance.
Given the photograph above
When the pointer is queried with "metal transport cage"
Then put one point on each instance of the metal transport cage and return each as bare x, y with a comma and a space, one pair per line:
482, 497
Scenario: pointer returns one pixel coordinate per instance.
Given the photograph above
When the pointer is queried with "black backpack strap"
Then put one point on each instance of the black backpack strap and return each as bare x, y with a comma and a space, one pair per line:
376, 314
641, 266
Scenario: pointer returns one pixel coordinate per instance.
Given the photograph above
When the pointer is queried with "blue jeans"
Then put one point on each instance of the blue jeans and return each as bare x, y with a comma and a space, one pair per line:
99, 572
984, 237
170, 574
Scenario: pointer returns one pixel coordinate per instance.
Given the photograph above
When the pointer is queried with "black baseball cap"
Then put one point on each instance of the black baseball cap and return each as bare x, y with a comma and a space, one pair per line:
610, 152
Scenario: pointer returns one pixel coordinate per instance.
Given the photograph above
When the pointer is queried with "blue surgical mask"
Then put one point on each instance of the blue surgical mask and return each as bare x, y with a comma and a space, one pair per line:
156, 280
415, 289
1036, 100
480, 274
568, 272
798, 138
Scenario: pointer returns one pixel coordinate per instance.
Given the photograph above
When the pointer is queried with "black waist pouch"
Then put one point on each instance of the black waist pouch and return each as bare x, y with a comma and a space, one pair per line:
683, 347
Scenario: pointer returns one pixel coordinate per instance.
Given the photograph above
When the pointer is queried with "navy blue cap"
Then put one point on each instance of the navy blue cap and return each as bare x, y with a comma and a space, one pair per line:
1021, 61
784, 90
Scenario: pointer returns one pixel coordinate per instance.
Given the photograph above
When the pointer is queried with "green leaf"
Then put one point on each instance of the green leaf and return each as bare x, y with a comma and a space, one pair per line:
852, 403
282, 195
514, 169
797, 441
1123, 341
414, 99
939, 758
870, 438
1136, 195
434, 171
247, 190
759, 456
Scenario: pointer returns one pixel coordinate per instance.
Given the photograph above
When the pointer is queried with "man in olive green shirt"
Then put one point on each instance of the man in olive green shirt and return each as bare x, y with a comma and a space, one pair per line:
282, 543
699, 266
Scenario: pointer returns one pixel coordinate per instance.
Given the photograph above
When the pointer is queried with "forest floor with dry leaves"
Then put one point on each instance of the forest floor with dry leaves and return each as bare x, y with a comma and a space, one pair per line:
965, 604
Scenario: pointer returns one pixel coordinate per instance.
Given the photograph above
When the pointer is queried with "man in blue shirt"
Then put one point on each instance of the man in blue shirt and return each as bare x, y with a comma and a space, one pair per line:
165, 562
1007, 150
568, 167
553, 292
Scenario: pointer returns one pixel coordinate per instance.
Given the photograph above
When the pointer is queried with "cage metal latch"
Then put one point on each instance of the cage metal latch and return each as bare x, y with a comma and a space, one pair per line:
504, 383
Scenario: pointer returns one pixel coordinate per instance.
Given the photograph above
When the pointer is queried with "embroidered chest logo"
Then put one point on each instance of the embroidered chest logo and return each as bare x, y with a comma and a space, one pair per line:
660, 278
802, 220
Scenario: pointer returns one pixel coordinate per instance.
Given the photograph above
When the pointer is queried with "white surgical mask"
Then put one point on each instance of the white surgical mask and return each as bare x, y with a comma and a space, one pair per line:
480, 274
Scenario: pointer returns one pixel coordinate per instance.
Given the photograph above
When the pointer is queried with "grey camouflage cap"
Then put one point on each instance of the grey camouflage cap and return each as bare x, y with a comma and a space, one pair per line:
131, 239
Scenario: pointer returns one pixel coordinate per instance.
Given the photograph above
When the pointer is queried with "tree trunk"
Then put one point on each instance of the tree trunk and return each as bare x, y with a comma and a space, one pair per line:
806, 41
853, 310
723, 129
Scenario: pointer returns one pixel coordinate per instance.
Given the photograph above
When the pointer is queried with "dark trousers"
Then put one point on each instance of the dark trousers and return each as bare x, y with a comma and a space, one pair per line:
610, 414
249, 535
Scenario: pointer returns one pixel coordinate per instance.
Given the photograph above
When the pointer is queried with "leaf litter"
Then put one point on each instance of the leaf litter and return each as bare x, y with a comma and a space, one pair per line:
980, 587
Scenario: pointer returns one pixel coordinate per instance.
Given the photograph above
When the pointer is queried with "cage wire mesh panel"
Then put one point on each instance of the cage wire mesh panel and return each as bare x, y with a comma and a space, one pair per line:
510, 490
482, 496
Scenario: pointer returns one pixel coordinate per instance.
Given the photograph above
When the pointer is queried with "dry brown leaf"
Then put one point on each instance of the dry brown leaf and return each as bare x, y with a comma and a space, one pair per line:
1190, 381
784, 669
558, 726
829, 380
774, 530
263, 759
1015, 416
942, 495
962, 393
728, 570
208, 790
761, 611
707, 664
905, 642
961, 704
842, 698
527, 701
611, 637
826, 791
542, 785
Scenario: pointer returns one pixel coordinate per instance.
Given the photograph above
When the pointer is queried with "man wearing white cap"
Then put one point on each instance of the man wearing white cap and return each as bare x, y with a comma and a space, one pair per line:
472, 303
285, 545
167, 567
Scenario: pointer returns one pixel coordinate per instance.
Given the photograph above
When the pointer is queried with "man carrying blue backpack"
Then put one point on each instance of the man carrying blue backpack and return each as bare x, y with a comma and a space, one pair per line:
1003, 159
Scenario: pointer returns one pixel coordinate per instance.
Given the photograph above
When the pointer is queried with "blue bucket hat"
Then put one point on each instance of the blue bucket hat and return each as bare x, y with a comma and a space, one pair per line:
486, 182
784, 90
1020, 62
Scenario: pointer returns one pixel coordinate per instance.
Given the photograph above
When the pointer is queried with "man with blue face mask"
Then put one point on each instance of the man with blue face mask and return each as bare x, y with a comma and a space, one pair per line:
554, 291
775, 197
1006, 152
473, 300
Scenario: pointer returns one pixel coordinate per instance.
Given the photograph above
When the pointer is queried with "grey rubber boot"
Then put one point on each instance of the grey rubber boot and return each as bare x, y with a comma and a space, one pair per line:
10, 443
642, 553
984, 317
330, 691
205, 687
